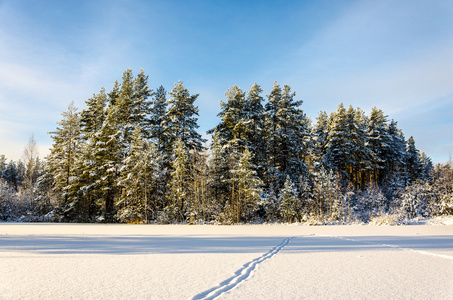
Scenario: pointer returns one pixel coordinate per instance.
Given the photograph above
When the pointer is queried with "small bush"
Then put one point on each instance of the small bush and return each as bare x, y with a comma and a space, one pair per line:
386, 219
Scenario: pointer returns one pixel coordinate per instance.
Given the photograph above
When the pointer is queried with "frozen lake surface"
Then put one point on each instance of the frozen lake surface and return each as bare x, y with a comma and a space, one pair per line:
95, 261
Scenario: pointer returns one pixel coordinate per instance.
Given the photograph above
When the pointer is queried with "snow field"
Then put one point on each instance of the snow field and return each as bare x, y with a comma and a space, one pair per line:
94, 261
349, 271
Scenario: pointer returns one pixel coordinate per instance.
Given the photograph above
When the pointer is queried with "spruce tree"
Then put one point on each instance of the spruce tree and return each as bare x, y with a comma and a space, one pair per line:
412, 160
289, 201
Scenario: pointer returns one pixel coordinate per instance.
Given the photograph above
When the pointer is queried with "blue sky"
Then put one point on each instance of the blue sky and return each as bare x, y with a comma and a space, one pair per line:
396, 55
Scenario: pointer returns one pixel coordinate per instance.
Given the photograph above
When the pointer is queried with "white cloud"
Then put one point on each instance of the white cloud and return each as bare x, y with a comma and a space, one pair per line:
398, 86
432, 127
40, 73
395, 55
377, 52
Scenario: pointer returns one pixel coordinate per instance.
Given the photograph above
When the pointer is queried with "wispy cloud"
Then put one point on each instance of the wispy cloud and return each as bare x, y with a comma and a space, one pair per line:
432, 127
378, 53
42, 70
397, 55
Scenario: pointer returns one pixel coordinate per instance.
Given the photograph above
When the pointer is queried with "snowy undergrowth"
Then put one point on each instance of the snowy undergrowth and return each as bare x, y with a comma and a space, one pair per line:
383, 219
386, 219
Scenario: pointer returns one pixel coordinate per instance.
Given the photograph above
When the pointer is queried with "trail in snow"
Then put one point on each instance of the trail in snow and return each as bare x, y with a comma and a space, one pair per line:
390, 246
242, 274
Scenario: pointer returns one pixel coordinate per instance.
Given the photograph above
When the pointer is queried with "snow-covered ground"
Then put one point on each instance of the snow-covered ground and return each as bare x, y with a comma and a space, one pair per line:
94, 261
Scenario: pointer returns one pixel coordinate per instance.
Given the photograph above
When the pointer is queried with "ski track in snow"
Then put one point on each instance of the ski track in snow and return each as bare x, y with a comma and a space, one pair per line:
247, 269
390, 246
242, 274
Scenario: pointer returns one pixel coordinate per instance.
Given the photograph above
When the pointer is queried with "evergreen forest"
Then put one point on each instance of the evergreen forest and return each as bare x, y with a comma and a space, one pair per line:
134, 155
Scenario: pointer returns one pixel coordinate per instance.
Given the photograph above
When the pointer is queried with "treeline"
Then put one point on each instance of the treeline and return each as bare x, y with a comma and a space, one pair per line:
132, 155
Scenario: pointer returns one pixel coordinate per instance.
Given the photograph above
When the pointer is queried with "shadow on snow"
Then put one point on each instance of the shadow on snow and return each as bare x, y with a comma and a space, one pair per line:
151, 244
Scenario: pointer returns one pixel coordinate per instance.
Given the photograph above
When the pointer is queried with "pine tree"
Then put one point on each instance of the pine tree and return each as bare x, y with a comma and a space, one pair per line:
295, 135
7, 200
92, 120
232, 129
2, 166
395, 170
199, 201
337, 151
131, 106
180, 121
443, 183
108, 137
156, 118
218, 174
89, 195
12, 174
131, 99
92, 117
107, 159
179, 185
141, 104
320, 132
230, 138
362, 153
115, 94
254, 122
245, 187
378, 143
61, 162
288, 135
347, 151
426, 167
139, 176
273, 175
